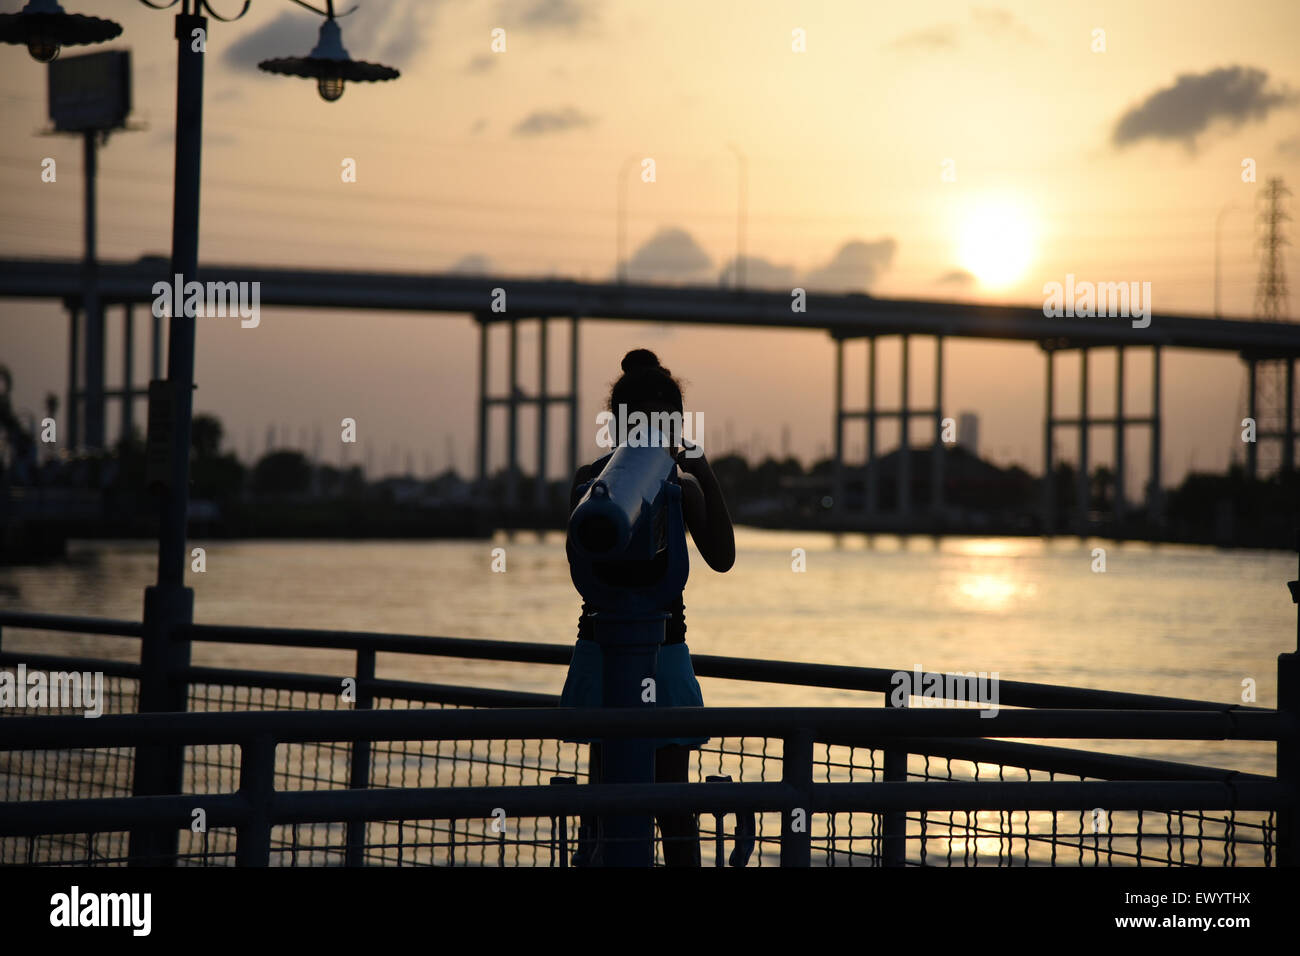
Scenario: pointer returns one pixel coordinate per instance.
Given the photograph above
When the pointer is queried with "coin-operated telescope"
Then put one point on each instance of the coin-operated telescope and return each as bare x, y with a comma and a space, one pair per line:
628, 560
627, 537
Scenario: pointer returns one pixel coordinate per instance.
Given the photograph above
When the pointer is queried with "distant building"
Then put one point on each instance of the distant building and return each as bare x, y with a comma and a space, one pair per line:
968, 432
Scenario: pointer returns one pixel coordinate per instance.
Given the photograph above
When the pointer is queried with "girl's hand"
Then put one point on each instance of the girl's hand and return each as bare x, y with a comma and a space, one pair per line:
690, 464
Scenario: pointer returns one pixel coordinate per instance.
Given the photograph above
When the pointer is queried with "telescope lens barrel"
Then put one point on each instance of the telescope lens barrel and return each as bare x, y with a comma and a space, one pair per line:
597, 534
622, 508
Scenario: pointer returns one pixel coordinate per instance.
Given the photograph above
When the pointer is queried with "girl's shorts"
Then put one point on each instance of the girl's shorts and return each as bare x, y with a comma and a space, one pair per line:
675, 685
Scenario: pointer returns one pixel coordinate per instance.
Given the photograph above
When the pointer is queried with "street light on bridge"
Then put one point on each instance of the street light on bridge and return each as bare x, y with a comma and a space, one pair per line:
45, 29
328, 62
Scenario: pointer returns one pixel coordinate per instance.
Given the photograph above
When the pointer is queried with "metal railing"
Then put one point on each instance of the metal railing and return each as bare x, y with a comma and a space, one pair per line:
301, 780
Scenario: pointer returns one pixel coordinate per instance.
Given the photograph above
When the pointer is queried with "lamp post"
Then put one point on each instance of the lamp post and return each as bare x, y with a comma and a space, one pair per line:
44, 27
169, 605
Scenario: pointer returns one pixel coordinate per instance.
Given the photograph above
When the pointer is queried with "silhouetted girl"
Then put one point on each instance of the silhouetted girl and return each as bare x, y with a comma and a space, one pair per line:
648, 387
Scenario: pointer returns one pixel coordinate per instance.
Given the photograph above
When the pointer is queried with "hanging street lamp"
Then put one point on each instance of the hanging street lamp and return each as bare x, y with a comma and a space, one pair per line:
329, 63
45, 29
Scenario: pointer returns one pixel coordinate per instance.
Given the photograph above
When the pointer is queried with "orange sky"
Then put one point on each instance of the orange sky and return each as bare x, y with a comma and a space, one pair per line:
515, 157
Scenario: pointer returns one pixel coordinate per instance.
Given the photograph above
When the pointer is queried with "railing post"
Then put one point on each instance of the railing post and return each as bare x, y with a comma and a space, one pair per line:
257, 785
719, 821
893, 823
1288, 747
796, 819
561, 823
359, 774
160, 768
630, 648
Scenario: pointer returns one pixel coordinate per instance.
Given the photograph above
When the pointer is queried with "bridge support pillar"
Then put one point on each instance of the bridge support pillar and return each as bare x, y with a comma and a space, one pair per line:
1155, 501
539, 487
512, 418
837, 466
483, 423
904, 436
128, 371
1082, 488
1049, 433
872, 489
937, 457
1118, 509
1252, 447
573, 397
1270, 404
93, 391
1288, 427
514, 398
72, 417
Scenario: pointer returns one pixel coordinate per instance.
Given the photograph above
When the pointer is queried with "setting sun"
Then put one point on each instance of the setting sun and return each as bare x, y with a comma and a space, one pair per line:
996, 243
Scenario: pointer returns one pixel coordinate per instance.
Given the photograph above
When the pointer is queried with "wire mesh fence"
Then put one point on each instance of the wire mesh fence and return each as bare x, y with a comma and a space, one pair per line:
975, 837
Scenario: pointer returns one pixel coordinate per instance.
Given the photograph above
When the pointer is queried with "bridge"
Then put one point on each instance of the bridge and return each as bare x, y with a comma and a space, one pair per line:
845, 317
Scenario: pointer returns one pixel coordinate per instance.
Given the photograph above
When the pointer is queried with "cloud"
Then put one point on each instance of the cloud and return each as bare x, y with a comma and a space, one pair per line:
1001, 23
670, 254
959, 278
1290, 147
289, 34
482, 63
554, 15
989, 22
1187, 108
390, 33
541, 122
854, 268
474, 264
931, 38
759, 274
673, 255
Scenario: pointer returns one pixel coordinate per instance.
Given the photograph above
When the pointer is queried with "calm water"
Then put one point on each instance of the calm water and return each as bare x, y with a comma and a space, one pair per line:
1178, 621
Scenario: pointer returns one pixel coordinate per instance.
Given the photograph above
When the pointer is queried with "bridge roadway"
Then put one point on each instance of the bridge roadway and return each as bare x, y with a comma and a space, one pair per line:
843, 316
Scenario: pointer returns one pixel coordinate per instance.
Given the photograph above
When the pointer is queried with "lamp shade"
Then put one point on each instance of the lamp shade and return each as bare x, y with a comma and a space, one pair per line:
44, 27
329, 64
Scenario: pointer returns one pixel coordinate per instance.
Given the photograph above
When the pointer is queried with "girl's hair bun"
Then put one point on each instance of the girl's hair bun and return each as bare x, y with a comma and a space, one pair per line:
640, 359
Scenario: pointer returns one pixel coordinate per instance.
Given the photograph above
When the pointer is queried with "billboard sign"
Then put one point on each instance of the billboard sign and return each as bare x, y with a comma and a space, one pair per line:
90, 92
